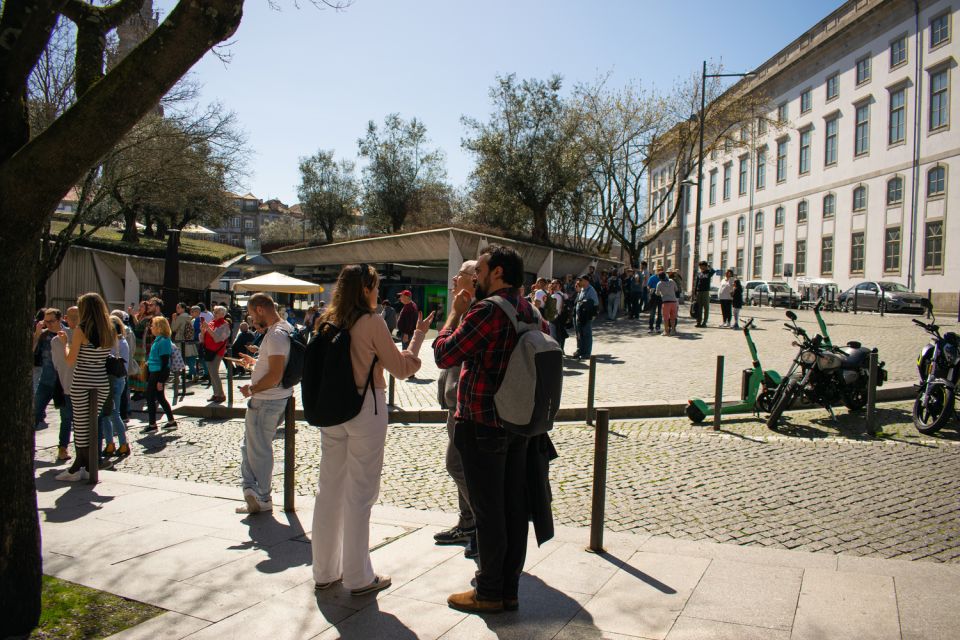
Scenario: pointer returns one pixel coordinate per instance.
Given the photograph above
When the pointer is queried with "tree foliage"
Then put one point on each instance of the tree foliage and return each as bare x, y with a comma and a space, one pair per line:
328, 192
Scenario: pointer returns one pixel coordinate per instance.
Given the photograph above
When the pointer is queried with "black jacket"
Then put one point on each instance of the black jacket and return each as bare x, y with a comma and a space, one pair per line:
540, 451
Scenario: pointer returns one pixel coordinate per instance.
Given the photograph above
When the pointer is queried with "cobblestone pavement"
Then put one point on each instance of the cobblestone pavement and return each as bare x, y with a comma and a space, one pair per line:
815, 486
635, 366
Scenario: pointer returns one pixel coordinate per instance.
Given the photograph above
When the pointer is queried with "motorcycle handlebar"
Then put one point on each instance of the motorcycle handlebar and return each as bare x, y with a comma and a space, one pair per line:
918, 323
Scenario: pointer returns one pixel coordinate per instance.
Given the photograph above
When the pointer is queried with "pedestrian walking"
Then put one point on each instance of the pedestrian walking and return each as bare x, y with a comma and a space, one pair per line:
586, 309
351, 460
407, 321
614, 289
90, 344
158, 372
111, 424
389, 315
183, 334
702, 293
725, 297
558, 326
45, 331
216, 335
668, 293
58, 351
655, 302
736, 301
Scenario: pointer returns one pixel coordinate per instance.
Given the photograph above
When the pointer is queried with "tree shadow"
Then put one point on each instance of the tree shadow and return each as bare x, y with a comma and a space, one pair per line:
268, 533
156, 442
369, 622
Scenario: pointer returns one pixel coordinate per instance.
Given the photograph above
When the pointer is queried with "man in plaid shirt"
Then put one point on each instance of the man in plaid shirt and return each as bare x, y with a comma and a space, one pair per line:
494, 460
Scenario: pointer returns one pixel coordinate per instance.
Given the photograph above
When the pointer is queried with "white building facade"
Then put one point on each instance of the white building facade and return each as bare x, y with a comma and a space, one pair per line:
852, 174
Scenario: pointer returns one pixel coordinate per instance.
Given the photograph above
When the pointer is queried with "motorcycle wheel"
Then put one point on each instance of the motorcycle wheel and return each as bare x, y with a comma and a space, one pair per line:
856, 399
936, 414
782, 400
765, 400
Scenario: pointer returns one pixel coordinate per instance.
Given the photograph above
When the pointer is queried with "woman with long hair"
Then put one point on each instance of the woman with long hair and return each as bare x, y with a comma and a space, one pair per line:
111, 424
158, 368
352, 453
93, 340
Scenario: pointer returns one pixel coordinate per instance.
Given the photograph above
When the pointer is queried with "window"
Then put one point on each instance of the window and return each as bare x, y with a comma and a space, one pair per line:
891, 250
802, 211
829, 205
830, 142
757, 262
826, 255
739, 261
805, 151
939, 99
778, 260
898, 113
894, 191
936, 178
782, 112
685, 194
863, 70
833, 86
861, 145
801, 257
758, 221
741, 225
856, 252
725, 229
669, 209
727, 169
713, 154
933, 245
761, 126
723, 259
939, 30
806, 101
860, 199
709, 235
898, 52
781, 161
710, 258
248, 224
743, 134
779, 216
713, 187
744, 176
235, 222
762, 168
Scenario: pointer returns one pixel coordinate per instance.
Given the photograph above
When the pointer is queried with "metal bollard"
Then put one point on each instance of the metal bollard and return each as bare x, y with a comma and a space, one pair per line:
289, 455
872, 395
591, 388
774, 299
598, 505
882, 304
93, 449
229, 384
718, 395
930, 300
392, 392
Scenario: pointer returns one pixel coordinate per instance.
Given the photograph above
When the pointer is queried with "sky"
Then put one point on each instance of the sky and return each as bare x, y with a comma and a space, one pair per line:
304, 79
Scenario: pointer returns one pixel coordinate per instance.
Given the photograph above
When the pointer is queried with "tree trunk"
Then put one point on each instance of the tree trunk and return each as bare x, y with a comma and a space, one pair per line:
130, 226
171, 272
20, 560
541, 232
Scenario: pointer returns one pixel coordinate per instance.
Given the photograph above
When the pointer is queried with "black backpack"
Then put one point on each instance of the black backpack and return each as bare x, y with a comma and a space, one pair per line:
293, 371
329, 393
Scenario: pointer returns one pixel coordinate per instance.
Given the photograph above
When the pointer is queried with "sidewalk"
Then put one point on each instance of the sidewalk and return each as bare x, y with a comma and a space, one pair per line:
180, 546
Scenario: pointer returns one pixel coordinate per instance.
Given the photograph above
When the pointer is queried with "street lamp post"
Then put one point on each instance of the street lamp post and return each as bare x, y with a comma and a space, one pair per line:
696, 220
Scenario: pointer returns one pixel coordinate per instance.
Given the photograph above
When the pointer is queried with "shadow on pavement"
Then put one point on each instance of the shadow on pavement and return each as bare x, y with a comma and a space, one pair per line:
639, 575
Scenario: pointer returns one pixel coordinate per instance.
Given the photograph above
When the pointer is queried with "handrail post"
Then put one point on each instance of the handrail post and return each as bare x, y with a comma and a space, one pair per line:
392, 391
93, 448
289, 455
930, 300
591, 388
598, 505
872, 394
228, 352
718, 395
856, 300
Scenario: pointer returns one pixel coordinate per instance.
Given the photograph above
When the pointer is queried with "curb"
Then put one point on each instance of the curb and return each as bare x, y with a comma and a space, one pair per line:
642, 410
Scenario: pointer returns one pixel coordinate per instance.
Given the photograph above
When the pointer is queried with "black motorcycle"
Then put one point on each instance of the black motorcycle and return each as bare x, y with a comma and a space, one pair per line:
939, 365
824, 375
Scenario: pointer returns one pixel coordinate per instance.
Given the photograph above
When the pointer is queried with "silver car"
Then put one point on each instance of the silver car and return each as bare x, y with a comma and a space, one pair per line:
866, 296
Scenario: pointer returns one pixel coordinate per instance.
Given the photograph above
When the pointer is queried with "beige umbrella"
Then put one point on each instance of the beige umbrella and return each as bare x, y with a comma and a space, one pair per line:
278, 283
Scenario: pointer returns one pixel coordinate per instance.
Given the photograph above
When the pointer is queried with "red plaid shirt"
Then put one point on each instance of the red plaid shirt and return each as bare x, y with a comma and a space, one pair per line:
484, 340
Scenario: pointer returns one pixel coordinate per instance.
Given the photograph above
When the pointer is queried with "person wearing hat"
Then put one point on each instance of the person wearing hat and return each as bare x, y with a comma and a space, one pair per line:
407, 322
585, 310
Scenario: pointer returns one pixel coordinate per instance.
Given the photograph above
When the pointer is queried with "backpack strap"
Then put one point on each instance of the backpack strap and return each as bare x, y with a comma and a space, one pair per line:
369, 383
512, 312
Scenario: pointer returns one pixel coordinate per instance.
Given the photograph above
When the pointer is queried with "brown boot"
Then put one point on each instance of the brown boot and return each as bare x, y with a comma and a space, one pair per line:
469, 603
62, 454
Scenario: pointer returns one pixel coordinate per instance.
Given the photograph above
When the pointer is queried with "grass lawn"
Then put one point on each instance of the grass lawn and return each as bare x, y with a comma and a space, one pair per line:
74, 612
108, 239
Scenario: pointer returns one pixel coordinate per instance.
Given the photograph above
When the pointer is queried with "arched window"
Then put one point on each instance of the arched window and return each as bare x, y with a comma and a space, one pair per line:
710, 233
741, 225
803, 209
779, 217
936, 181
829, 205
724, 229
860, 198
758, 221
894, 190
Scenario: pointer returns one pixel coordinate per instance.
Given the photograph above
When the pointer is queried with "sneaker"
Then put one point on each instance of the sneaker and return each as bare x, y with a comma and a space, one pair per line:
170, 425
254, 504
320, 586
79, 475
379, 584
455, 535
150, 428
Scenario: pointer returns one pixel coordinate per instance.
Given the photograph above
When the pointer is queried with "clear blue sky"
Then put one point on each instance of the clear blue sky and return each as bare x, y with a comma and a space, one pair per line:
305, 79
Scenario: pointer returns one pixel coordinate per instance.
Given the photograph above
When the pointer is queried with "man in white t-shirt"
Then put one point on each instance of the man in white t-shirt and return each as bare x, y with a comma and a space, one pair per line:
540, 293
268, 400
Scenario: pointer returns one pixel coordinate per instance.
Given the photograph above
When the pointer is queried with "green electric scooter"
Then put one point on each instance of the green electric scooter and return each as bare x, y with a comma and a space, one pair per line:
761, 387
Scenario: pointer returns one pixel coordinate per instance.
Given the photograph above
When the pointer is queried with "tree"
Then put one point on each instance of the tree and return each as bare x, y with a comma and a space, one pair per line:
528, 152
401, 165
328, 192
102, 114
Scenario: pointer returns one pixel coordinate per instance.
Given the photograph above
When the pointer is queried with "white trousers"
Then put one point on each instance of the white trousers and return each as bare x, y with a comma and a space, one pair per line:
351, 461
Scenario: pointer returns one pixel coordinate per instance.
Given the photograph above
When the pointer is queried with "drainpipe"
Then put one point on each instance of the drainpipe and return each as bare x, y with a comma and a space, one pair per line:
915, 187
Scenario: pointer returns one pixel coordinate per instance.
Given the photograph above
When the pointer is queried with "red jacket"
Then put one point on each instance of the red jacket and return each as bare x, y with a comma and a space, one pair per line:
212, 345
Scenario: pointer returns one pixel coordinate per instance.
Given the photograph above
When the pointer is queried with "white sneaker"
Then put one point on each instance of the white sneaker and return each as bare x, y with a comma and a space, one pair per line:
77, 476
254, 504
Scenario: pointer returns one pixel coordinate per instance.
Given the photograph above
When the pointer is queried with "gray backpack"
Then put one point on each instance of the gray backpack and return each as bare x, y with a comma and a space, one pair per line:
529, 396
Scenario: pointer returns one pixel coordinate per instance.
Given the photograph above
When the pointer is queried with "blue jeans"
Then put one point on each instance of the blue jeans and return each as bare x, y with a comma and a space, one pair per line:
256, 451
191, 365
111, 424
585, 339
41, 398
66, 421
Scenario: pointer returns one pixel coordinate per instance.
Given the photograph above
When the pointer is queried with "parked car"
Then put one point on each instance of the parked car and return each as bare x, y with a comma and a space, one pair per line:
771, 293
867, 295
714, 294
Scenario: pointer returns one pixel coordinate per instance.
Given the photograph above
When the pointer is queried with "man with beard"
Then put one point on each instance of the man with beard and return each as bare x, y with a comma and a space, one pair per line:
481, 338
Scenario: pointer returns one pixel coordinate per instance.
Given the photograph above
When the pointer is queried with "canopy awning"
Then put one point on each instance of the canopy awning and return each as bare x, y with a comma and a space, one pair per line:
277, 283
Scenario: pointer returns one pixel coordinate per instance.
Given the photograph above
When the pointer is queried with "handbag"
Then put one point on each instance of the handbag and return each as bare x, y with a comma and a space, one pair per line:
447, 383
115, 366
176, 359
694, 309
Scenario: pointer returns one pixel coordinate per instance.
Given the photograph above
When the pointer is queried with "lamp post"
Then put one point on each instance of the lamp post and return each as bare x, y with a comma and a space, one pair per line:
696, 221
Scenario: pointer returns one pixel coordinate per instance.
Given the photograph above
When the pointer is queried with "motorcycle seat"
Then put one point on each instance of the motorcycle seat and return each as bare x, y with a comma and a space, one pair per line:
854, 357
